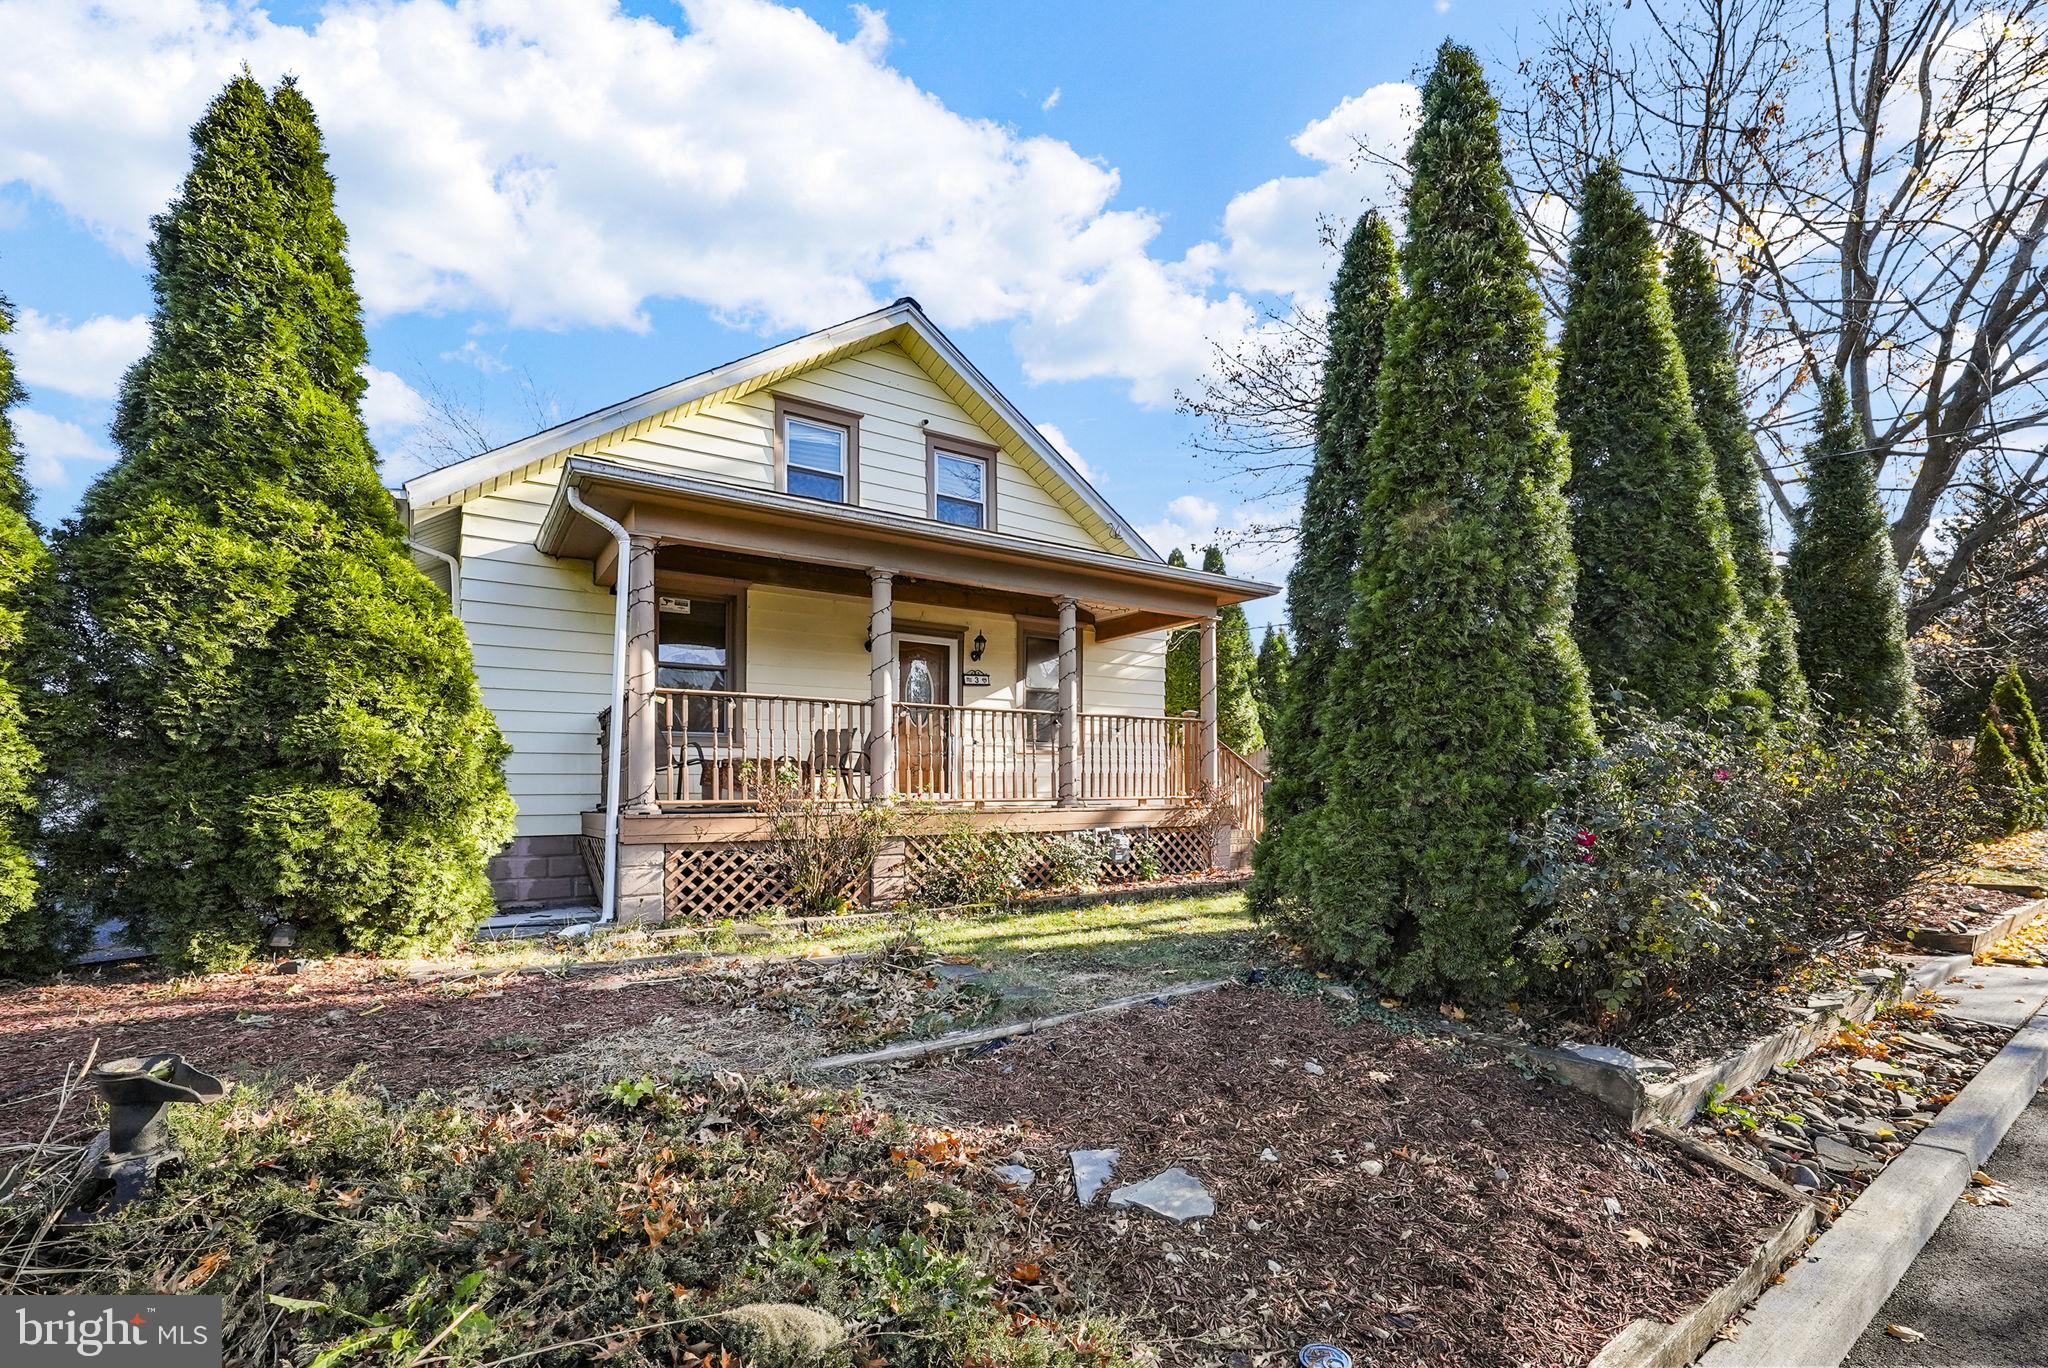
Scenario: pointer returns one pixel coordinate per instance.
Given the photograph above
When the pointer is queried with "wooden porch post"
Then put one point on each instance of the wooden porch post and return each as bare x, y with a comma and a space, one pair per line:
1208, 757
636, 581
882, 683
1070, 703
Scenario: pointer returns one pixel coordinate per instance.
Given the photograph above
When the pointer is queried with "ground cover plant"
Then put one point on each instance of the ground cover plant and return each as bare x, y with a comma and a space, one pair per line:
645, 1223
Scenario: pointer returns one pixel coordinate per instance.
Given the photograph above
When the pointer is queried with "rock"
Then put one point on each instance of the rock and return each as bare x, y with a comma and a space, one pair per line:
1373, 1168
290, 966
1312, 1067
1175, 1194
1016, 1175
1611, 1205
959, 973
1092, 1168
1877, 1068
1932, 1042
1869, 1130
1270, 1155
779, 1335
1840, 1158
1804, 1177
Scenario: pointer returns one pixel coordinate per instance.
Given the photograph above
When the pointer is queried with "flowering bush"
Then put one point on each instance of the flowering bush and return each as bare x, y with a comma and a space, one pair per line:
1681, 857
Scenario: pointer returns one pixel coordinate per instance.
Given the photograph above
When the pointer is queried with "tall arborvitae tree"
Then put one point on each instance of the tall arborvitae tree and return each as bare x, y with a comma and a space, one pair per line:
1709, 347
272, 715
1658, 617
32, 938
1843, 583
1462, 685
1273, 679
1237, 708
1183, 660
1319, 585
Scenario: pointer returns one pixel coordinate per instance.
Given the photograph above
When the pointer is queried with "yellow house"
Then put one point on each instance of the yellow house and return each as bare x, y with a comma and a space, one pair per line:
848, 559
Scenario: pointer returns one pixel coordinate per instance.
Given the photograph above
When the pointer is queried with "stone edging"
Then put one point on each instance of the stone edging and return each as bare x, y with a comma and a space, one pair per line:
958, 1040
1818, 1311
1649, 1343
1975, 942
1647, 1090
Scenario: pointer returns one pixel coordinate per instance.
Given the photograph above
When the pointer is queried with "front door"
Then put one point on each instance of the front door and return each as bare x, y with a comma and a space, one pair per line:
924, 679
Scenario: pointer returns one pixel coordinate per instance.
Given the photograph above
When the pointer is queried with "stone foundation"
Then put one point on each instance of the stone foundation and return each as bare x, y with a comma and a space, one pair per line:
541, 871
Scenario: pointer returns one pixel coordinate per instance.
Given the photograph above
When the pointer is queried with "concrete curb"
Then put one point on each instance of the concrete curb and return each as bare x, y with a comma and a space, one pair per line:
1973, 942
958, 1040
1815, 1316
1654, 1344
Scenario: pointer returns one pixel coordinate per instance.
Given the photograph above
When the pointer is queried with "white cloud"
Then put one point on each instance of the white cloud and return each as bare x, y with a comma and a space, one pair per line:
1273, 232
51, 443
1052, 434
389, 402
751, 161
1192, 521
85, 360
1046, 105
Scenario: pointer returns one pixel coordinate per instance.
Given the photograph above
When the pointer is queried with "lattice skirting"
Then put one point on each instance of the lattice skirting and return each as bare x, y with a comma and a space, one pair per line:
734, 879
1175, 850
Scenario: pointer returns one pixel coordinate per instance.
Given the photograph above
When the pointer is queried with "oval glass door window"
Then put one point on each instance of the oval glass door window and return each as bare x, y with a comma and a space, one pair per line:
917, 685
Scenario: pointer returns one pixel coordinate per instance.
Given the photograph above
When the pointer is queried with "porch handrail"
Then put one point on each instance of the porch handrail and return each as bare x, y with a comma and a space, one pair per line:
1244, 793
1137, 756
720, 746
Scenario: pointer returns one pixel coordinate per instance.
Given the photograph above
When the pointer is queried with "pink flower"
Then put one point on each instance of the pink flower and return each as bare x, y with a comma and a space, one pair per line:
1585, 840
1585, 857
1721, 774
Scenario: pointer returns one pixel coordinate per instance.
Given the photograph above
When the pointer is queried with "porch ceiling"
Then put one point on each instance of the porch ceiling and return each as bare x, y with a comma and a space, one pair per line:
764, 536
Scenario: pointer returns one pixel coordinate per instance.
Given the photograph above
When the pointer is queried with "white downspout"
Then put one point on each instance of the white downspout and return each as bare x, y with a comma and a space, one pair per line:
454, 573
609, 909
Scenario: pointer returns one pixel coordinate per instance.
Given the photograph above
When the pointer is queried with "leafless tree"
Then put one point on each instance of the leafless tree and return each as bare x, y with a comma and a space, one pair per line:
1871, 173
456, 422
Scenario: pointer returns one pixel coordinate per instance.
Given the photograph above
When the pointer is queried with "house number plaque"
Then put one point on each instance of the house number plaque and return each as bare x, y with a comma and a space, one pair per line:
974, 679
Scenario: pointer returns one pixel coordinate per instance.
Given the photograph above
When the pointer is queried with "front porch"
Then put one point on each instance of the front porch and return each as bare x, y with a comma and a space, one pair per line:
1008, 685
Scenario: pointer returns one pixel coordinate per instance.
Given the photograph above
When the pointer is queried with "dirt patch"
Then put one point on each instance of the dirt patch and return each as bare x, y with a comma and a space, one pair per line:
1419, 1205
1954, 907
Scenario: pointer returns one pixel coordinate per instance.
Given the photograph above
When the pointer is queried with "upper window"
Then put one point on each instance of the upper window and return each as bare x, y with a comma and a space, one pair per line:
817, 459
817, 451
961, 491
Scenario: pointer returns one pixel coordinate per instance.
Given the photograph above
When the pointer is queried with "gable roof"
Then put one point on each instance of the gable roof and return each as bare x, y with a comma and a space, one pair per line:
904, 322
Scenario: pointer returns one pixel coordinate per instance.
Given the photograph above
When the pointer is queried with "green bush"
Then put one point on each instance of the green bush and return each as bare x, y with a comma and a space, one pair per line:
2010, 763
821, 848
1683, 857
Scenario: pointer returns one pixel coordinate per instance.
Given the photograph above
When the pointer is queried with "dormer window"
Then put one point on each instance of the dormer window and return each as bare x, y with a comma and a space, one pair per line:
962, 476
817, 451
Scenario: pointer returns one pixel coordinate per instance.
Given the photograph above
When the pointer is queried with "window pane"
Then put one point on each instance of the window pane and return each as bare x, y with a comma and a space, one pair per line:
918, 686
959, 512
815, 446
962, 477
695, 650
814, 486
1042, 666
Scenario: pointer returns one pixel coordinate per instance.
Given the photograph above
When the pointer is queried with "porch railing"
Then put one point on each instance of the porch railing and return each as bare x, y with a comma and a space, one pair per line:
977, 755
1127, 756
722, 747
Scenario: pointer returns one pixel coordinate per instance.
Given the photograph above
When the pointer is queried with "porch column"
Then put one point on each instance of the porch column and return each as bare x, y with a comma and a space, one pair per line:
1208, 756
1070, 702
882, 683
636, 581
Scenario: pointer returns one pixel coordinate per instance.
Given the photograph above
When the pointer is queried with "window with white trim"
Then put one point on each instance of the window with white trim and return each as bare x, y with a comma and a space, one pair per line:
815, 453
960, 496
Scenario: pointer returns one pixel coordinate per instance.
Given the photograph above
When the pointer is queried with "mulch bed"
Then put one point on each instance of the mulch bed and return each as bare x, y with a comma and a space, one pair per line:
1949, 907
1421, 1206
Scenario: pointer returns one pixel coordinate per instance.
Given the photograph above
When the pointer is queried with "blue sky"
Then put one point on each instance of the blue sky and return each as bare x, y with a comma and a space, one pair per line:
599, 199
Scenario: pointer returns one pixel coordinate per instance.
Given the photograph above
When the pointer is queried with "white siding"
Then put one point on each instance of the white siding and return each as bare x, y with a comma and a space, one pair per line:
1127, 675
734, 442
541, 633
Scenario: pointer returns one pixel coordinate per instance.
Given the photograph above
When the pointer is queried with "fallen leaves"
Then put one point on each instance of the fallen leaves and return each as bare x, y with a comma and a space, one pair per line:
1904, 1332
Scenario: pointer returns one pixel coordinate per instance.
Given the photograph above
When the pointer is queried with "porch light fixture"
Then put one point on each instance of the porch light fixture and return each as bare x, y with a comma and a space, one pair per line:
980, 645
867, 643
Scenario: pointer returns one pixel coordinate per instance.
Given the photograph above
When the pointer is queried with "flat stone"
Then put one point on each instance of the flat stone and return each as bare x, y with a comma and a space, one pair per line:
1313, 1068
959, 973
1841, 1158
1615, 1057
1016, 1175
1175, 1194
1932, 1042
1092, 1168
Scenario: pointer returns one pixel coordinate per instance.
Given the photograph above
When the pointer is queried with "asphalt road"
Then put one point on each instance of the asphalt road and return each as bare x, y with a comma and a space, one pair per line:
1979, 1290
